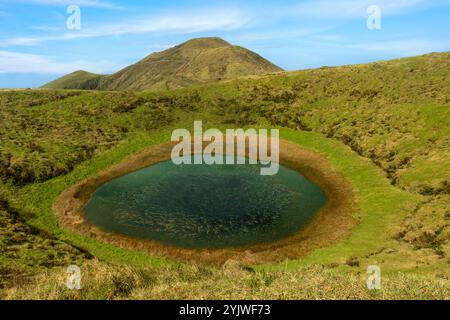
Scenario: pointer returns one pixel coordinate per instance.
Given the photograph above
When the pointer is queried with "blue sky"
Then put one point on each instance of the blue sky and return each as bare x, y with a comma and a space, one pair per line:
36, 46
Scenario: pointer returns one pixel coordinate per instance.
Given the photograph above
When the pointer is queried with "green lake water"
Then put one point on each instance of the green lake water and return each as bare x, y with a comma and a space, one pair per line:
205, 206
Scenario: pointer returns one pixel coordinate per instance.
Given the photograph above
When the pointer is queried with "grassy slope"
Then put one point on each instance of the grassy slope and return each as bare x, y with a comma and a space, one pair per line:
382, 207
366, 119
40, 197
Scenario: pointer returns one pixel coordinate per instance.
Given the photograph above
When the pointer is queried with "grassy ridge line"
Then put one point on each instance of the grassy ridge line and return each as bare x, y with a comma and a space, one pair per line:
373, 190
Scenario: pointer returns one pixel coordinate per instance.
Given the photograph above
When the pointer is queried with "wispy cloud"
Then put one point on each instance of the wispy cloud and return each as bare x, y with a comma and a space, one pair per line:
280, 34
403, 47
222, 19
349, 9
20, 42
84, 3
16, 62
185, 23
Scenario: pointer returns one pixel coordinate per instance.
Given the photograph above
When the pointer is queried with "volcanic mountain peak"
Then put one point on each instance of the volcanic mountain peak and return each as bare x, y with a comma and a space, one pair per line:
197, 61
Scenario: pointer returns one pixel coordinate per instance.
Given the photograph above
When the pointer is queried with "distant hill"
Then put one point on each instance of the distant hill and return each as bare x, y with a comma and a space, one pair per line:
196, 61
76, 80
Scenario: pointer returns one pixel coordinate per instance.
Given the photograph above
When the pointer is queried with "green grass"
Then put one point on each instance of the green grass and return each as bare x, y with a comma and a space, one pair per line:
38, 199
381, 205
102, 281
384, 126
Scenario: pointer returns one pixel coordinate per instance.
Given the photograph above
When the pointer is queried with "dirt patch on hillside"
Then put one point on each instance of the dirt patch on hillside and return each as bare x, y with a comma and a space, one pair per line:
332, 223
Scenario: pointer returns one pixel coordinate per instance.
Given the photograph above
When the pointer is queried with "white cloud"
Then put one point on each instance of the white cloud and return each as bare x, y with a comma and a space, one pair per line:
404, 47
82, 3
21, 42
330, 37
185, 23
281, 34
16, 62
303, 33
223, 19
350, 9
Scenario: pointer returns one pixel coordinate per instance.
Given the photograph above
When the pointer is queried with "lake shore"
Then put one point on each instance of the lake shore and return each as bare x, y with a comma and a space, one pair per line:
332, 223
